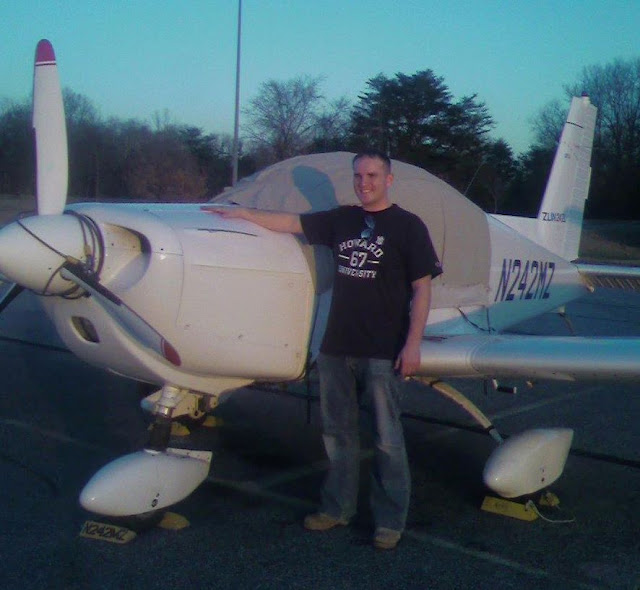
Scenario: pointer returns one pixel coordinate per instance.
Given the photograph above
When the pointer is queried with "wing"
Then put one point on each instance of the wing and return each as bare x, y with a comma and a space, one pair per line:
531, 357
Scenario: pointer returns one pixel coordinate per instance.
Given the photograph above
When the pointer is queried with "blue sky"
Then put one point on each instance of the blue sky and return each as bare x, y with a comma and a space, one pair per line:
133, 58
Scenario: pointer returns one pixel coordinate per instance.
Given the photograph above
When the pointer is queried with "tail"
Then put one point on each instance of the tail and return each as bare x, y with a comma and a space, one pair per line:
559, 222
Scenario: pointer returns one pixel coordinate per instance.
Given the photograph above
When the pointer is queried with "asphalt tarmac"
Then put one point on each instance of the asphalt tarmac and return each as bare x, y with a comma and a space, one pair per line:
61, 420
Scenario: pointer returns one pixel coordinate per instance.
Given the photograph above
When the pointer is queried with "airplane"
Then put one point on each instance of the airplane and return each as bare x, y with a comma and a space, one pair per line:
198, 305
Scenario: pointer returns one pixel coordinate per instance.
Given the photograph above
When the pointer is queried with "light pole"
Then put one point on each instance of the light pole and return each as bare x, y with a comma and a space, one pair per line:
236, 125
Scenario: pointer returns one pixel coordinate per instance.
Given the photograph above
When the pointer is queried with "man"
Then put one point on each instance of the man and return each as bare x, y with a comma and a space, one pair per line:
384, 263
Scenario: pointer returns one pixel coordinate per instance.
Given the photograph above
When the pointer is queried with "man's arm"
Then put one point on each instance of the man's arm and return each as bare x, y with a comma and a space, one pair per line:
408, 360
273, 220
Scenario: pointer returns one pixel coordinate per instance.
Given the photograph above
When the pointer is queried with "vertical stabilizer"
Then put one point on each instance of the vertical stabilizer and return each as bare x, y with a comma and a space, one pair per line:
560, 217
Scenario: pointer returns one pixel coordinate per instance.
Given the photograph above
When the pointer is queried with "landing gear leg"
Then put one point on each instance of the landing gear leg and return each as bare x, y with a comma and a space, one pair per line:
169, 399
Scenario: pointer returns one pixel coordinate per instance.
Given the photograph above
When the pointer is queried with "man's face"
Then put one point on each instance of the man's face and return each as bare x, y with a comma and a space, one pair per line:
371, 182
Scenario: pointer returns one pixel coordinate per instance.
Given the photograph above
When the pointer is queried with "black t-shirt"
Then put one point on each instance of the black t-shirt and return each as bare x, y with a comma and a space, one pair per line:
377, 257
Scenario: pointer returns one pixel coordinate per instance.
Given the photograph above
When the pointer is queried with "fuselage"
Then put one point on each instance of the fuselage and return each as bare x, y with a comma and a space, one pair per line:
525, 280
239, 303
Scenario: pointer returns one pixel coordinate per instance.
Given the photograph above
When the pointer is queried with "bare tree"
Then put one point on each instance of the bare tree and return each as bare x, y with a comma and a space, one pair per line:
84, 132
16, 148
163, 120
159, 167
283, 116
333, 127
615, 89
548, 123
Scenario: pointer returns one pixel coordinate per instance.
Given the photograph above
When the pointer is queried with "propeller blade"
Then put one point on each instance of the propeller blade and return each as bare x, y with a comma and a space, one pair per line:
50, 133
10, 295
121, 312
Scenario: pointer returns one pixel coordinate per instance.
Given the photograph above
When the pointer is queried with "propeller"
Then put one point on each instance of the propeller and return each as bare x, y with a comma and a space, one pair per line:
53, 253
50, 139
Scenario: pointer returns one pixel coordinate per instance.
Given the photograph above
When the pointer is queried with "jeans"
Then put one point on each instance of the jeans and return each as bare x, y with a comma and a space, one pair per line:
390, 476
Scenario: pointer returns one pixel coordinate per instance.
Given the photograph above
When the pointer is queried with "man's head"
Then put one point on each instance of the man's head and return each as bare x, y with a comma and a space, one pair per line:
371, 179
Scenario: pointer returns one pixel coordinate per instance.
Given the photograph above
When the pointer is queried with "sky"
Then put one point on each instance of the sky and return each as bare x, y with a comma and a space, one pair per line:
135, 58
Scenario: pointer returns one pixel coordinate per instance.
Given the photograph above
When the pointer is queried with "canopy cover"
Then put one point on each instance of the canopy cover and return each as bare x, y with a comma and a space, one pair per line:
316, 182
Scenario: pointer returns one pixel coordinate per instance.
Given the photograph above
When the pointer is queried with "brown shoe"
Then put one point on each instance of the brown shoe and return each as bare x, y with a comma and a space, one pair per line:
386, 538
320, 521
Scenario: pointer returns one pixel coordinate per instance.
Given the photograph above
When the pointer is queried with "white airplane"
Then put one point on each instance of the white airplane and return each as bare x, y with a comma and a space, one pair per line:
200, 305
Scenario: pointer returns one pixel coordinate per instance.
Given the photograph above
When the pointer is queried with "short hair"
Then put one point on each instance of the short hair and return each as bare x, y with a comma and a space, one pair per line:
376, 154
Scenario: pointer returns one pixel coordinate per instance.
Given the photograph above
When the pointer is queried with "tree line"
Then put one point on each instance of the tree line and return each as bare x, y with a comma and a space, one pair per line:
413, 118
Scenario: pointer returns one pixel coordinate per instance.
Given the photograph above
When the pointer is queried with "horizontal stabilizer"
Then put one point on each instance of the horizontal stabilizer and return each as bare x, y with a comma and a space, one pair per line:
611, 276
565, 358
